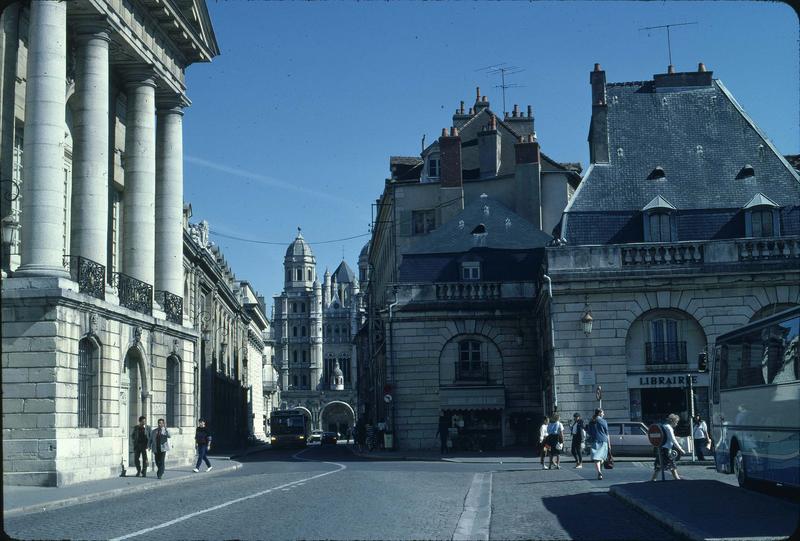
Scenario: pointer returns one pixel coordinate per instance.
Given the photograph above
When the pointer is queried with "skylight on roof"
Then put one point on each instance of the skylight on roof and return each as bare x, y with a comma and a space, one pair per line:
658, 172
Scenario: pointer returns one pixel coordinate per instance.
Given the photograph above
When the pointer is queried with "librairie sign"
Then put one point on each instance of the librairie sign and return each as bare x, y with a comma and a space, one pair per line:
665, 380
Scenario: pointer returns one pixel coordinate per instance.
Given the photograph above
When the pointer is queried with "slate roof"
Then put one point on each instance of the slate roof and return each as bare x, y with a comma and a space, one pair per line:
344, 274
700, 136
504, 230
299, 247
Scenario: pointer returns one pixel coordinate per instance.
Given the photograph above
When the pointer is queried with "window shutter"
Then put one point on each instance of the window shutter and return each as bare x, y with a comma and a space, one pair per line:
776, 223
748, 224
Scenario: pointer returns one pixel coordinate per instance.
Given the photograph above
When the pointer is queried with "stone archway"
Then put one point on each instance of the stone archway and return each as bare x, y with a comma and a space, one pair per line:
134, 394
337, 416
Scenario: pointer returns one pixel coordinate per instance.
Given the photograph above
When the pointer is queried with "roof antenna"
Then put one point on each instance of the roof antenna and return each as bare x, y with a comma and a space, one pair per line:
667, 26
503, 69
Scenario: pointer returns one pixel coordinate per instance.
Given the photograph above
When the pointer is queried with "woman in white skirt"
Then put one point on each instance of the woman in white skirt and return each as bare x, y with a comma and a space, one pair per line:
598, 431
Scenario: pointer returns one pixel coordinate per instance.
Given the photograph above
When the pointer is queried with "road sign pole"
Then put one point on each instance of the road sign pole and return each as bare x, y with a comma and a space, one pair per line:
690, 442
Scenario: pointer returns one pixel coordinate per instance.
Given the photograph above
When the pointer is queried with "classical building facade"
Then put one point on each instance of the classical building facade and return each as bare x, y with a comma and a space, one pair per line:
460, 337
235, 354
314, 327
91, 141
480, 154
686, 226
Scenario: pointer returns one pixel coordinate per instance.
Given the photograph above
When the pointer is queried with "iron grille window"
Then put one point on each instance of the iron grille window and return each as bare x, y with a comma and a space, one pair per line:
86, 384
172, 391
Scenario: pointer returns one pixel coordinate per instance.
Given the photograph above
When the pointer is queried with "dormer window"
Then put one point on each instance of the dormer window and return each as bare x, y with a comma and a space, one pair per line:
433, 166
761, 217
659, 222
471, 270
657, 173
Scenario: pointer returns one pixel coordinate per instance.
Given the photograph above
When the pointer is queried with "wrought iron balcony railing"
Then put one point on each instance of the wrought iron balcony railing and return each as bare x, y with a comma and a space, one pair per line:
472, 372
173, 306
90, 275
134, 294
657, 353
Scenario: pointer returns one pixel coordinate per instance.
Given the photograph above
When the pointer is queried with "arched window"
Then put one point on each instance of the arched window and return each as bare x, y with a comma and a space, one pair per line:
299, 275
469, 365
294, 356
173, 370
304, 355
294, 331
294, 307
303, 330
309, 275
88, 378
288, 275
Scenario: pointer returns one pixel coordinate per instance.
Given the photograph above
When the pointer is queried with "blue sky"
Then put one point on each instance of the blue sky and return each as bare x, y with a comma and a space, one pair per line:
293, 124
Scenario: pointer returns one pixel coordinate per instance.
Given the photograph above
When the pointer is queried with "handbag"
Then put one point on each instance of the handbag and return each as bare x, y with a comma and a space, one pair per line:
559, 446
608, 463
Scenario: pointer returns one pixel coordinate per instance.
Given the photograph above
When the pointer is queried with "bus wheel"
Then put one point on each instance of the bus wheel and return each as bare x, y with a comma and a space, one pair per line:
740, 470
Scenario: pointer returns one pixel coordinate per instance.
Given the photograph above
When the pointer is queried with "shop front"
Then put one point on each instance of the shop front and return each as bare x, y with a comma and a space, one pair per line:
653, 396
475, 417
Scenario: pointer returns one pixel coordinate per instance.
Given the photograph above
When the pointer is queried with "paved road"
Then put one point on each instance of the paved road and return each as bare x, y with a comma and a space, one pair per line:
328, 493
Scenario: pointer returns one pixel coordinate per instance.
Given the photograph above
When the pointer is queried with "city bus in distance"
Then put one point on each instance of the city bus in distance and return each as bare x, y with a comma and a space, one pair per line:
755, 401
289, 428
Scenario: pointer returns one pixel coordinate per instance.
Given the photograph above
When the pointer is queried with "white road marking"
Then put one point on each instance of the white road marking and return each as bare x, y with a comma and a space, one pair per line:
477, 514
237, 500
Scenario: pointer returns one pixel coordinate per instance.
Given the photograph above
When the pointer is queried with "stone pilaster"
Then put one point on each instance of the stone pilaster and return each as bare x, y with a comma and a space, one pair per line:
90, 158
43, 158
169, 198
138, 227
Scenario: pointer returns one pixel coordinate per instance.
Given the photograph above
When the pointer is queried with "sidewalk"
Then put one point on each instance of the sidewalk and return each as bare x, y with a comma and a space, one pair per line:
18, 500
514, 455
701, 510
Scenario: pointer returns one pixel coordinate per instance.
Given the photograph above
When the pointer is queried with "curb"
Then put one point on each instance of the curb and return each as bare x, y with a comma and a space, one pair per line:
93, 497
665, 520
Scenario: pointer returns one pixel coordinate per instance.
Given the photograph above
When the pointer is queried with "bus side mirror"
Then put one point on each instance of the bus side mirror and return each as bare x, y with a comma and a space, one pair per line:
702, 362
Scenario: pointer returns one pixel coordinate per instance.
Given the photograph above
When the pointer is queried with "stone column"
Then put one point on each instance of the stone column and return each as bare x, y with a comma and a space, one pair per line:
43, 150
9, 43
90, 159
169, 198
138, 222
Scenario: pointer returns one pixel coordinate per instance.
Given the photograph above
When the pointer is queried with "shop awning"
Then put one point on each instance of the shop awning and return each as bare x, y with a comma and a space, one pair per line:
472, 398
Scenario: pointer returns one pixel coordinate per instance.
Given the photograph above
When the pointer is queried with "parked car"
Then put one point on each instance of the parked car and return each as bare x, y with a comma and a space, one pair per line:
316, 435
329, 437
627, 438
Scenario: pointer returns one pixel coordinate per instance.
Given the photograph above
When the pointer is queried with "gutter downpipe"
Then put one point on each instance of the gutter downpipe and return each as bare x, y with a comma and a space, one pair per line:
552, 341
390, 371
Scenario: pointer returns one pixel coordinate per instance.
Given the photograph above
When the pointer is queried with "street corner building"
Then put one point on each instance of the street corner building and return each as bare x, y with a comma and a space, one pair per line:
453, 277
685, 226
93, 320
314, 328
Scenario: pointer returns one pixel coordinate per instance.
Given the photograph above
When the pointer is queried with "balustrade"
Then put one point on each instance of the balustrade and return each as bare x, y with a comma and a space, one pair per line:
468, 291
662, 254
763, 249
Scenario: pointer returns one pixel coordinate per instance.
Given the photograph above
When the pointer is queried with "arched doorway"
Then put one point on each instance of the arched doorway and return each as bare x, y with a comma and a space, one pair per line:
337, 416
133, 396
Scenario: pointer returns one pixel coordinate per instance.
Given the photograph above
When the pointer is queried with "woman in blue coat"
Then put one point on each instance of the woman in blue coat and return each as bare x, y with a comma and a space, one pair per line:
598, 431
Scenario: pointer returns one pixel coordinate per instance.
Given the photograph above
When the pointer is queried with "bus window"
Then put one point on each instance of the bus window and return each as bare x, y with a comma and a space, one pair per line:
715, 374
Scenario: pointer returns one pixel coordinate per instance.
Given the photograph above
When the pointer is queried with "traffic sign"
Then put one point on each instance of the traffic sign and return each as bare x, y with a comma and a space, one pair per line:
655, 434
599, 392
387, 398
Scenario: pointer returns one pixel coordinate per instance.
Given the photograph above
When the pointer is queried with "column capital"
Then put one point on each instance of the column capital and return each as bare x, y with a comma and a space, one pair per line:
139, 75
171, 103
91, 26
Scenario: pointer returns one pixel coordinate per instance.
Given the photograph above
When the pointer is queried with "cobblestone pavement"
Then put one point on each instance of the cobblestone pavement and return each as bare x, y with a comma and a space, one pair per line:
328, 493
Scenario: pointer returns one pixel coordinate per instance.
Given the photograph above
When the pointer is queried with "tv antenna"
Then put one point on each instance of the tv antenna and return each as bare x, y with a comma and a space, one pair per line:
667, 26
503, 69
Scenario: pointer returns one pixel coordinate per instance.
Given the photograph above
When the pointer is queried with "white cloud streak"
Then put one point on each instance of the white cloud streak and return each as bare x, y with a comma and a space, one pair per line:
264, 180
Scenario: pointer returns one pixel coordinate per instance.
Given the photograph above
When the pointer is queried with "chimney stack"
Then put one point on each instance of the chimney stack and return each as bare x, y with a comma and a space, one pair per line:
670, 69
461, 109
598, 128
450, 159
527, 180
530, 111
489, 145
515, 114
701, 67
481, 102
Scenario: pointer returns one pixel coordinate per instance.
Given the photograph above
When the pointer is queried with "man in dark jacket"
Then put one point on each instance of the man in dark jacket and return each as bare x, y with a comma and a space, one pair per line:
577, 428
443, 432
202, 440
140, 437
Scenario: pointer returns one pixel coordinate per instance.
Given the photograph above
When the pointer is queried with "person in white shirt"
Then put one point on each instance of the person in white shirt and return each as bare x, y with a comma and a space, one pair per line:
555, 439
670, 443
543, 447
700, 436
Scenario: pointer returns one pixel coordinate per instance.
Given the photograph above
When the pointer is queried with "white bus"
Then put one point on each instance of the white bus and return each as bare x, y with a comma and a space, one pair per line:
755, 401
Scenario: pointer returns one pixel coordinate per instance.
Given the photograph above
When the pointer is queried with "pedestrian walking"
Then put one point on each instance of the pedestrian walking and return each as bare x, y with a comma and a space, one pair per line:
601, 446
370, 437
555, 439
141, 437
670, 450
443, 432
578, 431
159, 445
702, 440
202, 441
361, 436
543, 447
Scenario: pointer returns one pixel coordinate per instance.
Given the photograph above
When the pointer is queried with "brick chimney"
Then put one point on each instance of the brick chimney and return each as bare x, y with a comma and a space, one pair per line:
518, 121
481, 102
598, 128
489, 149
528, 180
450, 159
673, 80
460, 117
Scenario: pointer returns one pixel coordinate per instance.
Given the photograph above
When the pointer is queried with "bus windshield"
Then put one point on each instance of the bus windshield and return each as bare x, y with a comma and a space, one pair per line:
288, 424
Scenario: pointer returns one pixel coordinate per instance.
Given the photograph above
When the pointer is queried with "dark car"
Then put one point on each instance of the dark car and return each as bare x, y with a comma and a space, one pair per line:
329, 437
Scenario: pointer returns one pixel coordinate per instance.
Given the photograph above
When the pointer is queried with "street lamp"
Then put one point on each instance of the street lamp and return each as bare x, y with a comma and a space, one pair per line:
10, 224
586, 321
